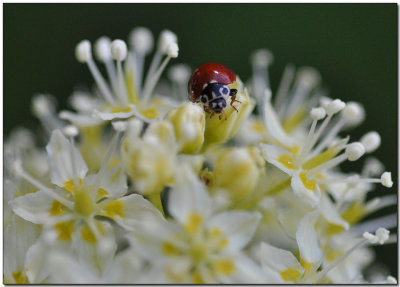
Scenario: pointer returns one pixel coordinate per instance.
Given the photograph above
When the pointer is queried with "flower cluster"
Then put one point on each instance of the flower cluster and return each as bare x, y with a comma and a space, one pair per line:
141, 185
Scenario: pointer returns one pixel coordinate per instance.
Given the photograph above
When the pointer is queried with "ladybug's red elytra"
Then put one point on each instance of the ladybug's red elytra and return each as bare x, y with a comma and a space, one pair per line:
209, 85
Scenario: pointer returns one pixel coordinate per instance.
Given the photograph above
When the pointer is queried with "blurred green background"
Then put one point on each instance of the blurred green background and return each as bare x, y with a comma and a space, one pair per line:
354, 46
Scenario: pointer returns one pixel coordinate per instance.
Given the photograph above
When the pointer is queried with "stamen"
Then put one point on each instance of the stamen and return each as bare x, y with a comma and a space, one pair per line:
307, 79
103, 53
329, 137
84, 55
388, 222
166, 37
332, 108
172, 52
283, 90
261, 60
381, 236
354, 151
371, 141
43, 107
385, 179
20, 172
179, 75
119, 52
119, 126
353, 113
321, 275
391, 280
70, 131
141, 40
372, 167
383, 202
316, 115
111, 149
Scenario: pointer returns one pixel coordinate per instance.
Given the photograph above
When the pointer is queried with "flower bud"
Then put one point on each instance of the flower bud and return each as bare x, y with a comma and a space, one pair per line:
237, 171
221, 128
189, 123
149, 161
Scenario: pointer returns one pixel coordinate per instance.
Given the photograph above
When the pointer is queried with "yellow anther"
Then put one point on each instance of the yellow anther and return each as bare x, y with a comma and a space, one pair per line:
101, 193
290, 274
121, 110
65, 230
170, 249
56, 208
193, 222
287, 160
150, 113
114, 208
19, 277
309, 184
87, 235
225, 267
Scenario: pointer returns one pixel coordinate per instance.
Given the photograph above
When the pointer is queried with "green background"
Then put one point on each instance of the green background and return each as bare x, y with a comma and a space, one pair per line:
354, 46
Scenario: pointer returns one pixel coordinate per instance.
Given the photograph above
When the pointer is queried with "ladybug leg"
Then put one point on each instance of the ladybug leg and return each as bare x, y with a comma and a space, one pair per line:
223, 115
233, 99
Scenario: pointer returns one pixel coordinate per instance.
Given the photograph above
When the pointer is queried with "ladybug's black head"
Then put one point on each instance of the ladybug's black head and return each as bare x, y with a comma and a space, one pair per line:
217, 105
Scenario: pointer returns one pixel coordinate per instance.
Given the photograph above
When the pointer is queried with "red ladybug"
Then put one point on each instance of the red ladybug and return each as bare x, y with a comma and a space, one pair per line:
209, 85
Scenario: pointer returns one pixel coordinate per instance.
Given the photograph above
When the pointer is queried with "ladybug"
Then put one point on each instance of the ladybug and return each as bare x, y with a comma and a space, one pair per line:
209, 84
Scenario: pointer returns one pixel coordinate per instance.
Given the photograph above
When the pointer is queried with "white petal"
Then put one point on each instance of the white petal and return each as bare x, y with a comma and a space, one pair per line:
238, 226
126, 269
114, 182
312, 197
272, 153
307, 238
36, 263
330, 213
107, 115
246, 271
18, 237
80, 120
96, 253
65, 269
188, 196
132, 211
279, 259
274, 126
64, 159
34, 207
150, 238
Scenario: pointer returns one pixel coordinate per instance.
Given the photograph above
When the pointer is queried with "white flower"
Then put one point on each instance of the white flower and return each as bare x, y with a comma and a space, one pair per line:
124, 95
198, 246
71, 209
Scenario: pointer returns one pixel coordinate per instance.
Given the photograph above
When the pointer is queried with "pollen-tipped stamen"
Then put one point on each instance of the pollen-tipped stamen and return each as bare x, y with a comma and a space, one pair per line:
84, 55
150, 85
119, 52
